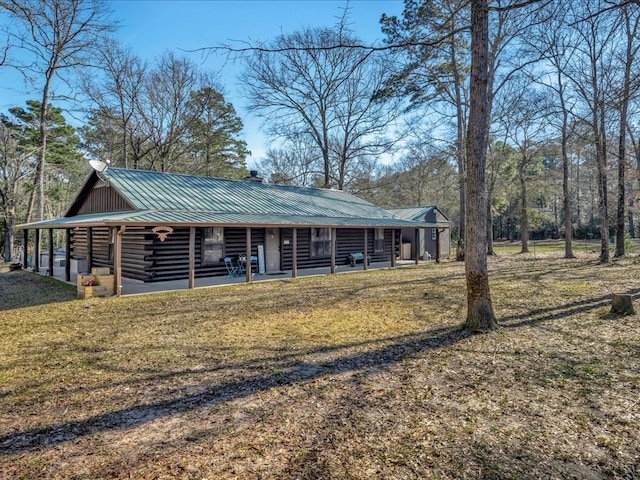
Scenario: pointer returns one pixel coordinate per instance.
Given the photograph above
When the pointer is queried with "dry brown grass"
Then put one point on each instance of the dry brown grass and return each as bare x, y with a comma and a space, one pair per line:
353, 376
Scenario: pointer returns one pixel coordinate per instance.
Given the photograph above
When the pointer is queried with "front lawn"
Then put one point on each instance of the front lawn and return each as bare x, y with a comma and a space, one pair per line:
359, 376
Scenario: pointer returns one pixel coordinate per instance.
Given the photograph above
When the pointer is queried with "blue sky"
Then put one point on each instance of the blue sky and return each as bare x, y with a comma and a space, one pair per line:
151, 27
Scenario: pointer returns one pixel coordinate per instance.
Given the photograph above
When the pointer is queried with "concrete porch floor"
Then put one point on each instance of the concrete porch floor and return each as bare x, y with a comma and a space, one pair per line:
136, 287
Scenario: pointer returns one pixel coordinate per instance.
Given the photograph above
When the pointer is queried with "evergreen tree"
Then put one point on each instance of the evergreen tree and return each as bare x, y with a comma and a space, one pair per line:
212, 135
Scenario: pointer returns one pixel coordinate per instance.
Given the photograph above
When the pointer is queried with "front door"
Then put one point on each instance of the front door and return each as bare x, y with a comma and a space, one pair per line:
272, 250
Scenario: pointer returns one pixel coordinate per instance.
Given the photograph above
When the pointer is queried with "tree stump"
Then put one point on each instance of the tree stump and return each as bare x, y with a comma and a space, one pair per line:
622, 304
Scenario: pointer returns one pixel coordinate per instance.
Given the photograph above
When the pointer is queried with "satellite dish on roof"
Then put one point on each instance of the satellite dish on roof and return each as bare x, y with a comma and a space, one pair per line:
98, 166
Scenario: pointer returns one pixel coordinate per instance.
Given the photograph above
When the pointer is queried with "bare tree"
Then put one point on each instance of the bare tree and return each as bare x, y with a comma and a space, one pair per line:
553, 43
164, 112
434, 72
316, 86
16, 162
590, 71
631, 24
296, 163
528, 119
635, 178
424, 176
55, 36
118, 94
498, 157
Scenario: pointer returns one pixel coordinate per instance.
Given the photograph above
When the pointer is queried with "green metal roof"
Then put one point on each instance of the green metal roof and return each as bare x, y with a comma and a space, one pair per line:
176, 199
418, 214
147, 190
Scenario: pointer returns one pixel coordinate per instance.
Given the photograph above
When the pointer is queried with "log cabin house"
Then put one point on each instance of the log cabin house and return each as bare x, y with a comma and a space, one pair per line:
154, 226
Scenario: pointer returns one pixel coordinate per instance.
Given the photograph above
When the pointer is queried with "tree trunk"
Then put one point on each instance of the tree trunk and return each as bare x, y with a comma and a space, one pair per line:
626, 88
480, 315
489, 223
620, 211
30, 205
566, 192
460, 157
8, 240
636, 155
125, 153
632, 227
524, 219
603, 209
622, 304
460, 141
40, 177
42, 152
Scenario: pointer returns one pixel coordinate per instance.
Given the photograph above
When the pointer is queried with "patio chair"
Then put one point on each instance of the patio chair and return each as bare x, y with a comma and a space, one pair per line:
232, 269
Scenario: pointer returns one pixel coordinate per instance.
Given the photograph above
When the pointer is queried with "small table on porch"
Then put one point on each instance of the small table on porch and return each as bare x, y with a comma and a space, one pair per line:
242, 263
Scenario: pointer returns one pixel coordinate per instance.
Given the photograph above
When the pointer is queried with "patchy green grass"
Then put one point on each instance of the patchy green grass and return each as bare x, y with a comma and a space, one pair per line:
580, 247
365, 375
545, 246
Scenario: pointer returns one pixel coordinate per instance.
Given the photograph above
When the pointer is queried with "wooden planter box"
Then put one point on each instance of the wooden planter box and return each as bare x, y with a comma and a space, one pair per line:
102, 286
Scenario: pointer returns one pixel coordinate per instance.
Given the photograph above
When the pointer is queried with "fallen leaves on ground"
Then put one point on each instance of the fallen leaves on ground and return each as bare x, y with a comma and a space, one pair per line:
359, 376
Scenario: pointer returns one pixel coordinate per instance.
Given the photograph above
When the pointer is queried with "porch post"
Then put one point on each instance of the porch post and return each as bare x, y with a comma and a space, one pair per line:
89, 249
25, 240
50, 266
192, 257
333, 250
393, 247
294, 254
117, 261
36, 250
366, 250
247, 264
417, 246
67, 255
438, 245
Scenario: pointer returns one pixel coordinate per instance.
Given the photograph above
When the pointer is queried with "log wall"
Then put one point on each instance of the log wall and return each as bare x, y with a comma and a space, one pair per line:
146, 258
348, 240
169, 260
135, 244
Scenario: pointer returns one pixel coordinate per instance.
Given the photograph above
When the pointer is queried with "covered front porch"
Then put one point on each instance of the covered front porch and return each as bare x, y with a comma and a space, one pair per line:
136, 287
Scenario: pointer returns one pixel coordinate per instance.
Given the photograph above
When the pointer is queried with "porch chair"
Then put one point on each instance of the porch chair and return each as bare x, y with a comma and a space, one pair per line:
232, 269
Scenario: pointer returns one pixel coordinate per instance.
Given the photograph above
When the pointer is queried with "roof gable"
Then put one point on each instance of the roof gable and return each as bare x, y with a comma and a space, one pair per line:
101, 197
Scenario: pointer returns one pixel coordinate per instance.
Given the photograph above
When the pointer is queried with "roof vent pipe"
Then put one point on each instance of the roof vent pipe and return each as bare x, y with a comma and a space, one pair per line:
254, 177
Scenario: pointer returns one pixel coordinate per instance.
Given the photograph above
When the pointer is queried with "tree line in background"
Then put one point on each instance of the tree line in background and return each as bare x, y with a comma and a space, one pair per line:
389, 123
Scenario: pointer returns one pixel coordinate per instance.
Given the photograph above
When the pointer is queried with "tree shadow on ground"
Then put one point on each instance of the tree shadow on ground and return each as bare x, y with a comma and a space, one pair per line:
539, 315
291, 369
20, 288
